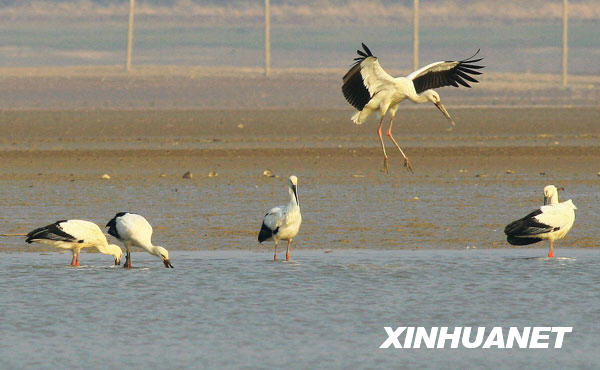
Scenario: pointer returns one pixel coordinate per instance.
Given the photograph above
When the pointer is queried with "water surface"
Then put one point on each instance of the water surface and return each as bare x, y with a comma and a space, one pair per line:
322, 310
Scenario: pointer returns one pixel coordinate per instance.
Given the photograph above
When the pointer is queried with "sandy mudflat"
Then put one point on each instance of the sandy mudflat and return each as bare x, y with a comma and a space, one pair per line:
321, 142
467, 184
111, 129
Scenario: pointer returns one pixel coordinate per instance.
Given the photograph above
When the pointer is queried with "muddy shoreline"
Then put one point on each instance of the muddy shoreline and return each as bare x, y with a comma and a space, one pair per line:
468, 184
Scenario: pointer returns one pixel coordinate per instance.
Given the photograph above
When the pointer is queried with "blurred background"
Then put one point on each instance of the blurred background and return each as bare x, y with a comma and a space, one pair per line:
207, 54
517, 36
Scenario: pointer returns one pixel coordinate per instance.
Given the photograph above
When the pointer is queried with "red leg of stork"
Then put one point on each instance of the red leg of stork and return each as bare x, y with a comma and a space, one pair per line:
389, 134
275, 255
551, 252
77, 260
287, 251
73, 260
385, 157
127, 263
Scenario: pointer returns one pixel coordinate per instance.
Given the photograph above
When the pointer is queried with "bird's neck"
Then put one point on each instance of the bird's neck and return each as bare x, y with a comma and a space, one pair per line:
418, 98
154, 250
102, 246
294, 202
552, 200
146, 246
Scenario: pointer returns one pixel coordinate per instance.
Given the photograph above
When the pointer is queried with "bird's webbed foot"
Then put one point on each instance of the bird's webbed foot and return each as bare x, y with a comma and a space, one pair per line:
408, 166
386, 167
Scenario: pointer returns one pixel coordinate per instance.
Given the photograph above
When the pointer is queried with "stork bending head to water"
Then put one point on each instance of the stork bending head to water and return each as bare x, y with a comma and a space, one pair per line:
75, 235
551, 221
369, 88
283, 222
135, 231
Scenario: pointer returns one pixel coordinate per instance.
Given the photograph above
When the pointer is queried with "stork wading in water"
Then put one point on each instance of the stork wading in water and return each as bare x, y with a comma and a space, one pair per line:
551, 221
75, 235
283, 222
135, 231
369, 88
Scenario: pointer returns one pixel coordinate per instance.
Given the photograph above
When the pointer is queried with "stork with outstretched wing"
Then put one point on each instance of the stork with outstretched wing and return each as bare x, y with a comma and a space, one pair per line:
369, 88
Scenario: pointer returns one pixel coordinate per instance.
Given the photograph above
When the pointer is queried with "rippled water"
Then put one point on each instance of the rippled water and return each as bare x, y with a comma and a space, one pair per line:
322, 310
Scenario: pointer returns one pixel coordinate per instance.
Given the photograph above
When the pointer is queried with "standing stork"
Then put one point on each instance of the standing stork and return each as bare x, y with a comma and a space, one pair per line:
75, 235
283, 222
135, 231
369, 88
551, 221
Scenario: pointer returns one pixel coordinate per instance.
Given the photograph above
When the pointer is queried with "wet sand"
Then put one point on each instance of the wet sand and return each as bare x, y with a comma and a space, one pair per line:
467, 184
268, 129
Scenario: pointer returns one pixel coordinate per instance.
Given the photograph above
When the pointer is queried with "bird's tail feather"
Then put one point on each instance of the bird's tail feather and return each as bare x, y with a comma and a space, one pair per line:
265, 233
36, 234
360, 116
112, 227
52, 232
515, 240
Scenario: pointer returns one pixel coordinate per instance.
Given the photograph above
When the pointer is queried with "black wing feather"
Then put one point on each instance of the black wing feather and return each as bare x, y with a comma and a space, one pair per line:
366, 49
266, 233
523, 231
112, 225
515, 240
353, 88
461, 81
51, 232
466, 76
472, 66
470, 71
451, 77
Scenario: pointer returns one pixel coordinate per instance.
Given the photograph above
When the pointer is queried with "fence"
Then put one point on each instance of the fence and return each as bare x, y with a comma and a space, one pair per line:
520, 46
267, 38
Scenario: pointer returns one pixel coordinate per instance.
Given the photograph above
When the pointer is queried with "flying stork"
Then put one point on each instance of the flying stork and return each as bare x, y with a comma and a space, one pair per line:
369, 88
551, 221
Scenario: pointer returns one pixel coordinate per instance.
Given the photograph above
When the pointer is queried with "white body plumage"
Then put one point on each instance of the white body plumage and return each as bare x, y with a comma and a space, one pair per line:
369, 88
551, 221
283, 222
135, 231
75, 235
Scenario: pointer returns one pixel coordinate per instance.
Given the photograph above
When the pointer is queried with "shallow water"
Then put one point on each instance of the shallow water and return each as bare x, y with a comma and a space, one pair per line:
323, 310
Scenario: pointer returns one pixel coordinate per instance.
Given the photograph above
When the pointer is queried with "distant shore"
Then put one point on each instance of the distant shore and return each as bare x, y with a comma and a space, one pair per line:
198, 87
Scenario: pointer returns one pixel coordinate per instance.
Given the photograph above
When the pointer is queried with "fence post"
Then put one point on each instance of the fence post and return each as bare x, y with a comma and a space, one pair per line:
416, 34
130, 35
267, 38
565, 53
